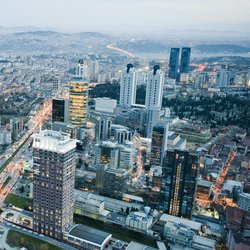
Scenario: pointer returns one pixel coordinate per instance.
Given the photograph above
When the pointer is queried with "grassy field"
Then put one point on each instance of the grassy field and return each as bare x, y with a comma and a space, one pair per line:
18, 201
117, 232
18, 239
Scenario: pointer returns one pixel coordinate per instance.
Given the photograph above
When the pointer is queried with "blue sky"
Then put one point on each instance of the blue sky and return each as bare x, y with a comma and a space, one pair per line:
127, 15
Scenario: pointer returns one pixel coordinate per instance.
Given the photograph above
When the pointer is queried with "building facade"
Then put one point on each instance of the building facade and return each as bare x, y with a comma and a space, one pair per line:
54, 178
159, 143
78, 101
174, 63
56, 82
185, 60
179, 179
107, 153
244, 201
128, 86
60, 110
154, 90
82, 70
104, 129
223, 78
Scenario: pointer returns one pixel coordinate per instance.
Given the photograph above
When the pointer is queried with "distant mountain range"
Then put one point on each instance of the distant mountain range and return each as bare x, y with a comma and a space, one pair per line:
150, 46
36, 40
51, 41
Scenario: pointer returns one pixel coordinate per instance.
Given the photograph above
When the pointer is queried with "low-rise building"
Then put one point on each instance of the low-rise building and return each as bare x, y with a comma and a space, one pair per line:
165, 218
86, 238
110, 204
90, 206
203, 189
181, 236
105, 104
139, 221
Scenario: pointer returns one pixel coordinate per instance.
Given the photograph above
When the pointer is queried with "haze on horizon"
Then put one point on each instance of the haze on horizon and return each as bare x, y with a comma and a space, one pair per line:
130, 16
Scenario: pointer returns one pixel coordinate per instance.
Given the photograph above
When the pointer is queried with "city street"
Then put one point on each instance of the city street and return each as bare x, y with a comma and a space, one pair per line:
12, 170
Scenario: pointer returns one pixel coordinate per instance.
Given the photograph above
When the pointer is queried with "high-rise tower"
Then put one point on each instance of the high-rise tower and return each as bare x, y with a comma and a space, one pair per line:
185, 60
82, 70
128, 86
54, 178
154, 90
179, 179
78, 101
159, 143
56, 81
174, 63
60, 110
154, 93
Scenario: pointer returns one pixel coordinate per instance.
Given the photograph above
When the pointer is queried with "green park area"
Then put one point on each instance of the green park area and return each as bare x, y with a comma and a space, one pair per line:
18, 239
18, 201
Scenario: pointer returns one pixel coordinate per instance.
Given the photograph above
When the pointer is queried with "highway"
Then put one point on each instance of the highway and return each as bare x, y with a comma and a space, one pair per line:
123, 51
13, 168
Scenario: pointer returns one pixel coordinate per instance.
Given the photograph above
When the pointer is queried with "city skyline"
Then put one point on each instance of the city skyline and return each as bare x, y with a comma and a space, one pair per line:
110, 16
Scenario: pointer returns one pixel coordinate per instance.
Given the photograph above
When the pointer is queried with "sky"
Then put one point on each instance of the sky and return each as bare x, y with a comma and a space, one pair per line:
127, 16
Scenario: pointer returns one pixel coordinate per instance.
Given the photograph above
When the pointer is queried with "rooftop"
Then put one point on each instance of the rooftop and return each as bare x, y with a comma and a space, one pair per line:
137, 246
53, 141
192, 224
173, 136
133, 197
88, 234
205, 183
245, 195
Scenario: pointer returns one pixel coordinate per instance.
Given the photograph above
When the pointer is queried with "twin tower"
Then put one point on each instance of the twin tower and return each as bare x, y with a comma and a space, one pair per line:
154, 89
154, 93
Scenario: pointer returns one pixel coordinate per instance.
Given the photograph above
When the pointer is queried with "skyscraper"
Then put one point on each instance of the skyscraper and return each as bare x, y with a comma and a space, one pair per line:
159, 143
56, 81
185, 60
54, 177
82, 70
154, 90
78, 101
60, 110
128, 86
153, 103
174, 63
179, 178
